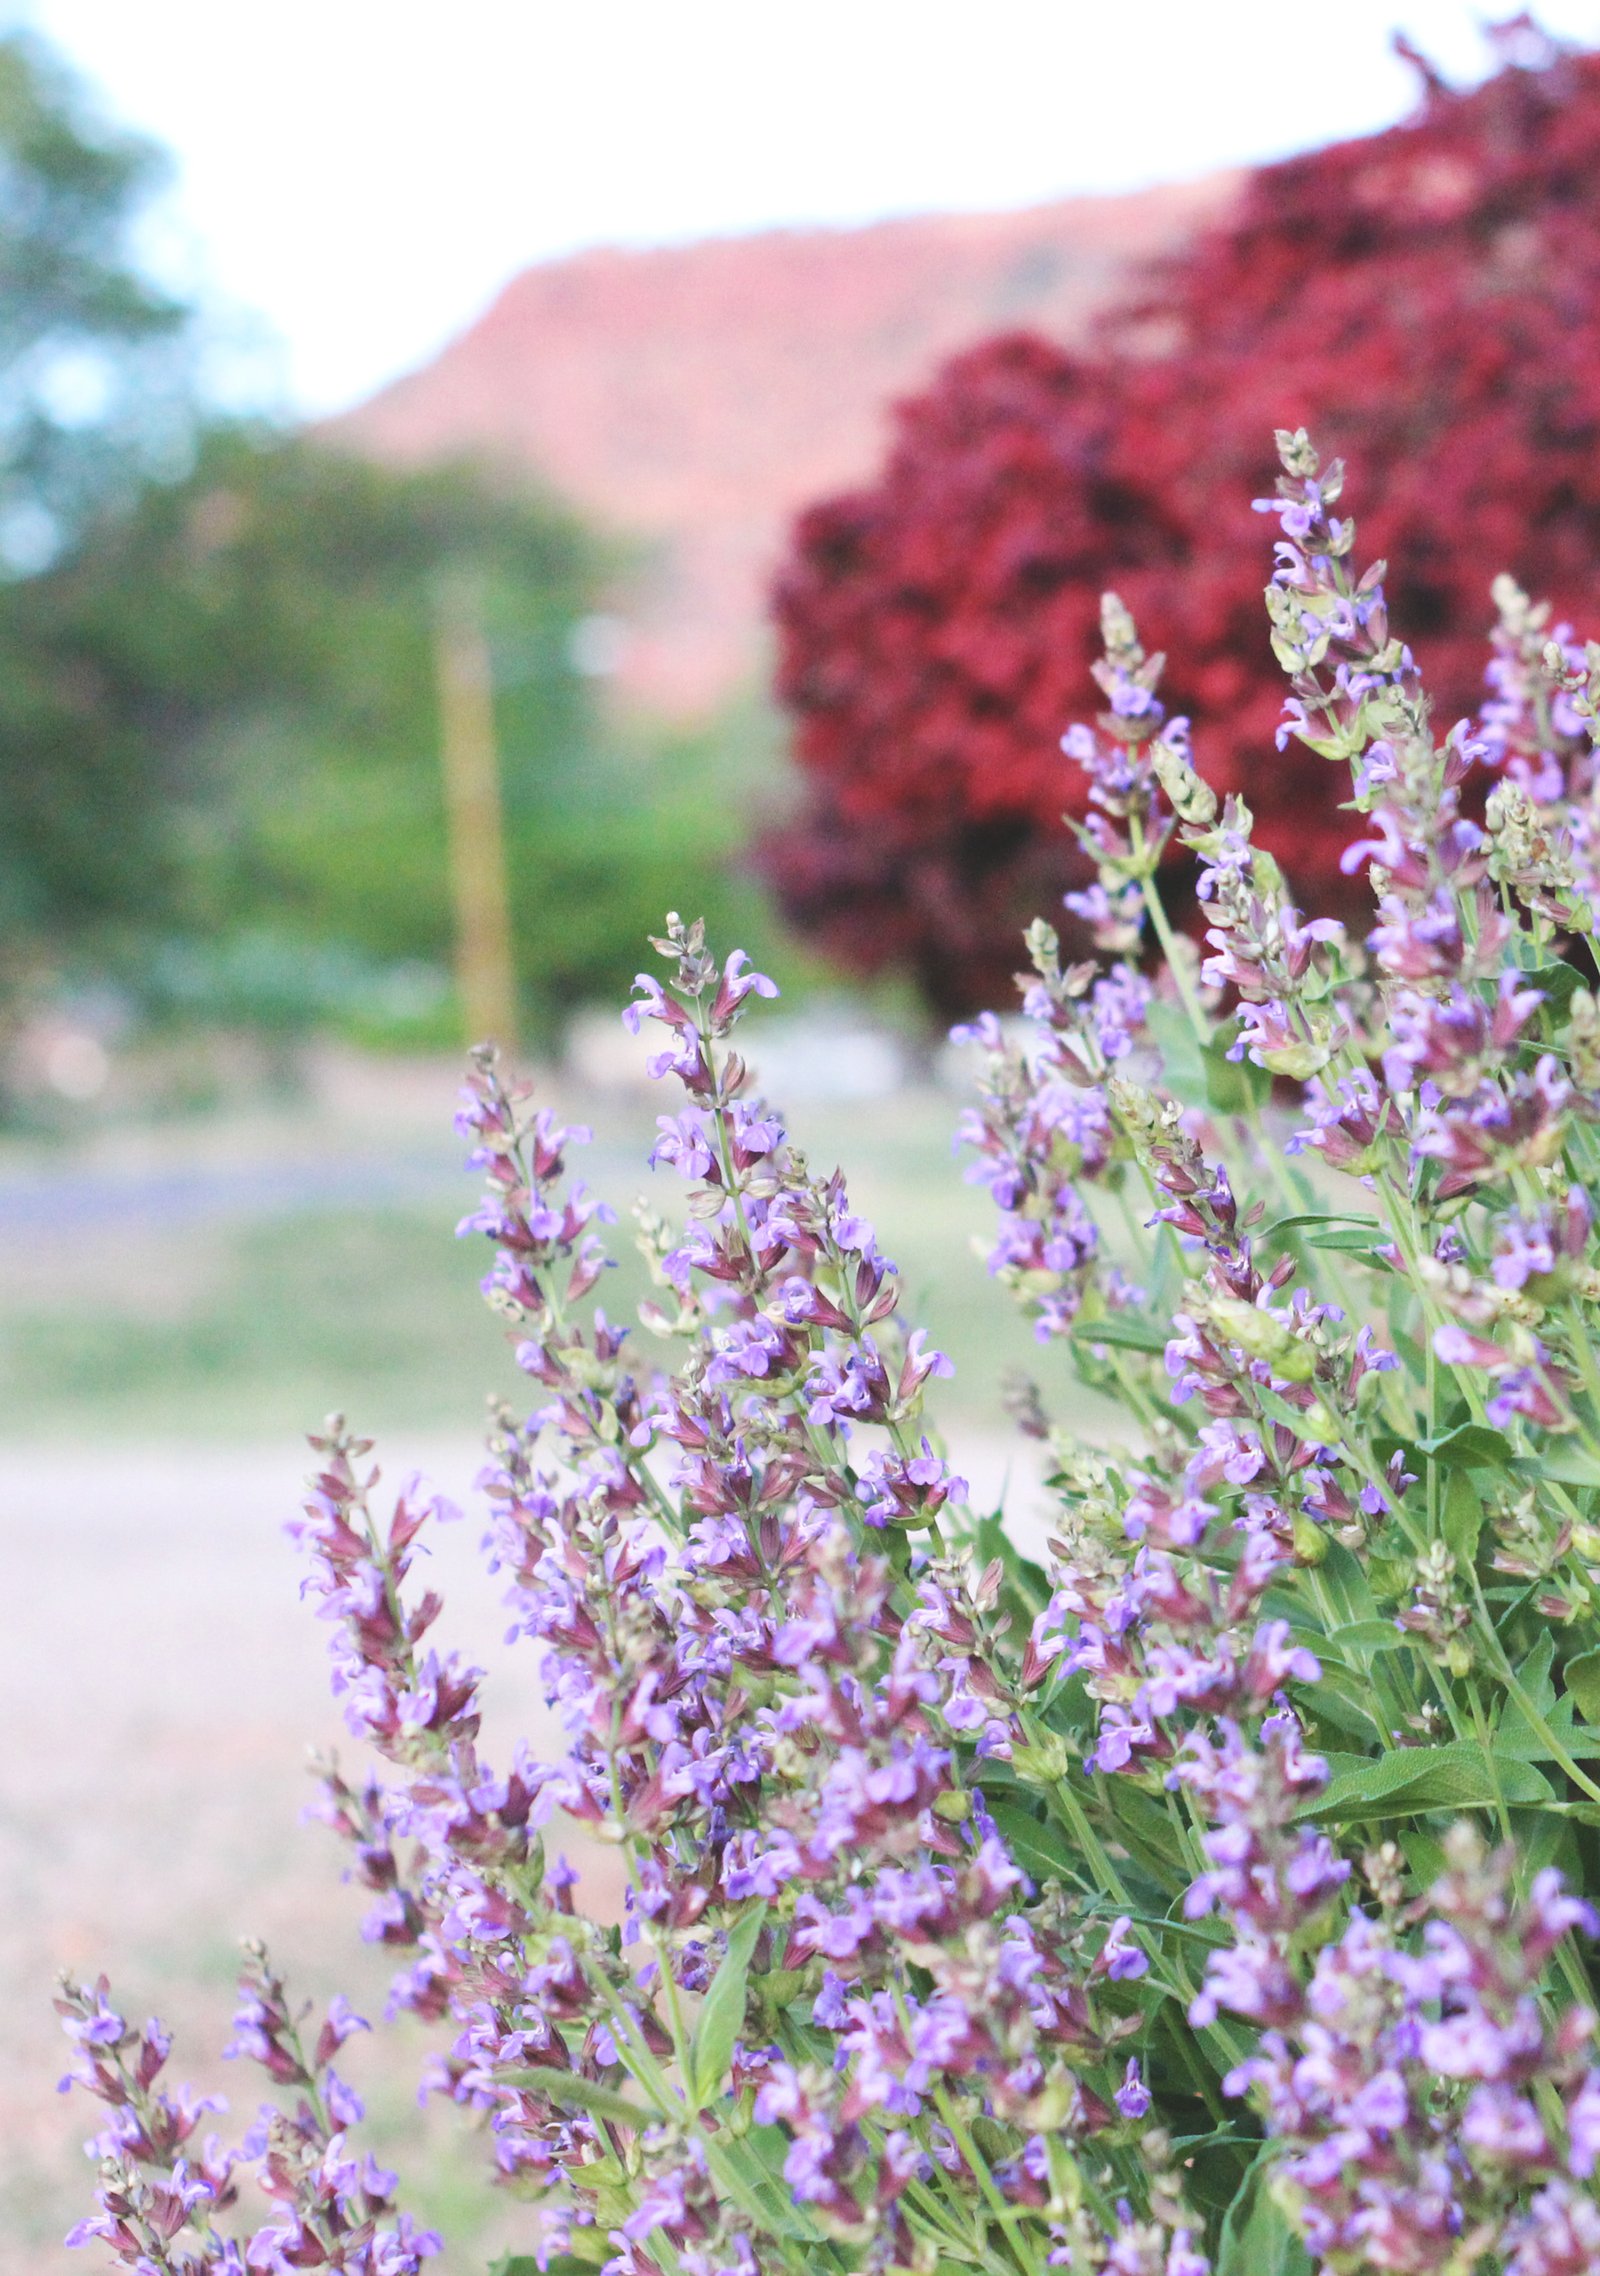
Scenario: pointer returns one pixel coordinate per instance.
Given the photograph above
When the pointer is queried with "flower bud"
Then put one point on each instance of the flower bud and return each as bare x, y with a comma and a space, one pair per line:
1191, 797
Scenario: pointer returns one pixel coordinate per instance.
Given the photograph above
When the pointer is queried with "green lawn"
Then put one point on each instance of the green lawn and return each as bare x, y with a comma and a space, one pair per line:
131, 1308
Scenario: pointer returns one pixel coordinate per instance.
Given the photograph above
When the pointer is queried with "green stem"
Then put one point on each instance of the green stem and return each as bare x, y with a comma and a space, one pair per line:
1508, 1676
1008, 2216
1168, 939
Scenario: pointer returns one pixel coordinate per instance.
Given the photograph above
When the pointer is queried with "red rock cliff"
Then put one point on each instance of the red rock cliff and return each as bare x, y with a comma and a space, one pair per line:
692, 397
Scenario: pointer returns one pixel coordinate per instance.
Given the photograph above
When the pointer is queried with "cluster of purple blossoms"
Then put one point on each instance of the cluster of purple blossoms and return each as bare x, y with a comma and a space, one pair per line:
164, 2197
1534, 726
1127, 825
1432, 2106
1306, 1536
1043, 1133
893, 1901
1475, 1082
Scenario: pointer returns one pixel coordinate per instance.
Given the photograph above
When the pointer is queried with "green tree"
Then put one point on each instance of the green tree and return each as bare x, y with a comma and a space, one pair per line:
96, 361
219, 724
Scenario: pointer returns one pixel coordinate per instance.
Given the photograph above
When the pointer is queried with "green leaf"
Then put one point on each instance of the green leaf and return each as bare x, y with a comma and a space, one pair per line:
1233, 1086
1472, 1446
1402, 1342
722, 2011
1257, 2238
1346, 1701
582, 2094
1582, 1679
1543, 1838
1580, 1813
1366, 1636
1313, 1222
1463, 1519
1125, 1331
1453, 1777
1067, 1709
1300, 1218
1036, 1847
756, 2160
1144, 1827
1344, 1577
1424, 1853
1515, 1737
559, 2264
1355, 1240
1181, 1067
1557, 983
1325, 1230
1534, 1676
1568, 1465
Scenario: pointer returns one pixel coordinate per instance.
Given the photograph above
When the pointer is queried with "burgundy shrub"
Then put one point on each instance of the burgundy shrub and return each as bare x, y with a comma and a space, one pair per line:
1427, 300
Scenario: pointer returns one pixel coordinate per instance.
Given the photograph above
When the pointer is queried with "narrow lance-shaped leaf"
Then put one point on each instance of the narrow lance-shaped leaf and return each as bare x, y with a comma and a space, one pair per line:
1454, 1777
722, 2015
582, 2093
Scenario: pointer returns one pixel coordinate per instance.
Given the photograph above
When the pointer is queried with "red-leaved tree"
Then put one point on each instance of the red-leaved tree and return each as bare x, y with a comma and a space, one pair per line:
1426, 301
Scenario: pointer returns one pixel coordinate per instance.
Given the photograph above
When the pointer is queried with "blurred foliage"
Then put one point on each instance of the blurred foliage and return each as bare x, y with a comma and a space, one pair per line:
95, 359
220, 747
659, 821
219, 716
219, 721
224, 701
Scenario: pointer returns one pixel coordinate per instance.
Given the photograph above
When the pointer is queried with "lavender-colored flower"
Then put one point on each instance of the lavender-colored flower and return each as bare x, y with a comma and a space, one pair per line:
925, 1832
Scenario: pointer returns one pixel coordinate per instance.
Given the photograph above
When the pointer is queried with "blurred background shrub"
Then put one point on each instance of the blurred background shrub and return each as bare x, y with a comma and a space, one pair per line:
219, 703
220, 724
1426, 301
97, 363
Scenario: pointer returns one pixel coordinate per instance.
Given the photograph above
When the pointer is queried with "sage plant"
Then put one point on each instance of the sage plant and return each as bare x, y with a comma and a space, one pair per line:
1208, 1894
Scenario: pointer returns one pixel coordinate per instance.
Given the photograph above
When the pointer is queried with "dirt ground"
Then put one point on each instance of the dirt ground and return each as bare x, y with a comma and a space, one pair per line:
159, 1686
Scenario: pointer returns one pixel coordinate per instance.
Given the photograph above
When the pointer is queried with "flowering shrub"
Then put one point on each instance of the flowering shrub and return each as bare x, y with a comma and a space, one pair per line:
1205, 1896
1427, 298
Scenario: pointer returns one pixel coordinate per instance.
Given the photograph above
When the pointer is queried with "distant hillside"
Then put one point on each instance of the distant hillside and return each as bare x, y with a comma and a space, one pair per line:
694, 397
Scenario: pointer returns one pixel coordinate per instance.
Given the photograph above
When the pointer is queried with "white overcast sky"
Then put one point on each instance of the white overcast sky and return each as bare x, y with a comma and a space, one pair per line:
365, 174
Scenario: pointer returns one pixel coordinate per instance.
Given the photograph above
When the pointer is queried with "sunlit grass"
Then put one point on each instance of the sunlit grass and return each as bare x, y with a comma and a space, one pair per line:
257, 1321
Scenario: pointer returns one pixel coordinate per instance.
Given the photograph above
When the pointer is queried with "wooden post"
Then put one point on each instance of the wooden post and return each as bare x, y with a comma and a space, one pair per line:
485, 962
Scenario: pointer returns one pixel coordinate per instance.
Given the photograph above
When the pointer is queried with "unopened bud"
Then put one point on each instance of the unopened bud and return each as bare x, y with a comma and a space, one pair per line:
1118, 633
1191, 797
1295, 452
